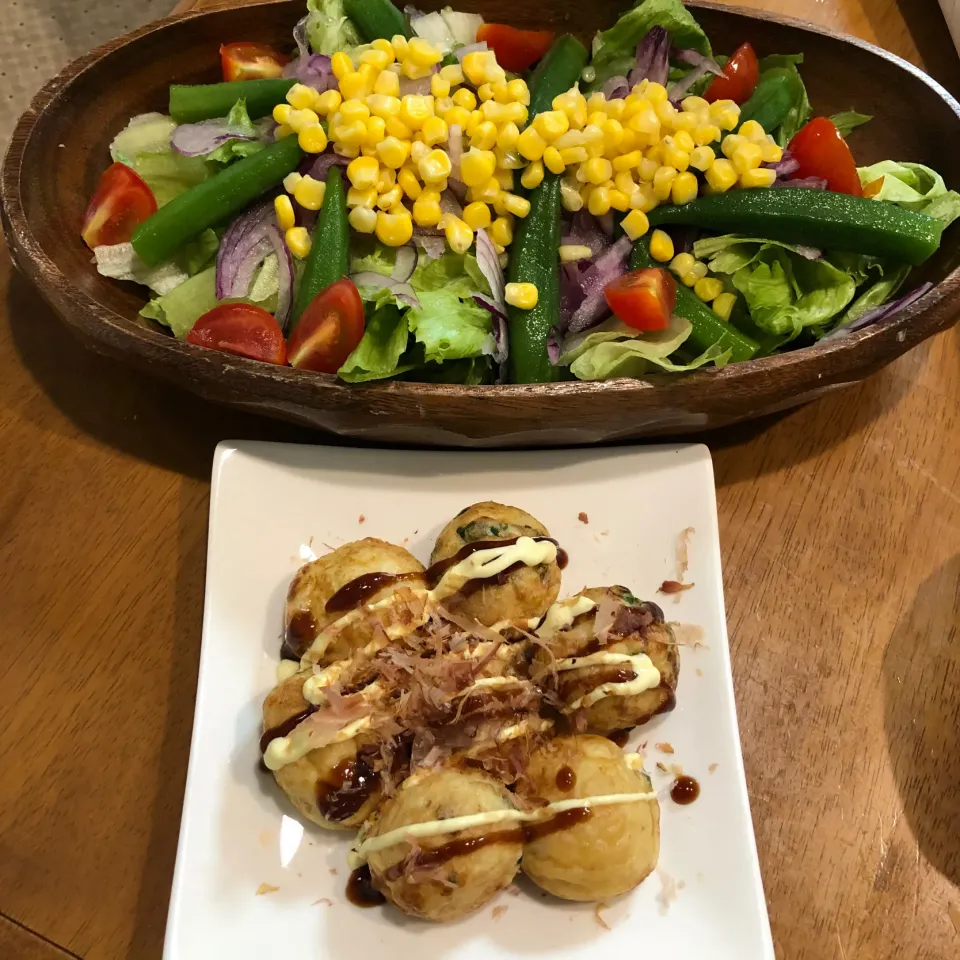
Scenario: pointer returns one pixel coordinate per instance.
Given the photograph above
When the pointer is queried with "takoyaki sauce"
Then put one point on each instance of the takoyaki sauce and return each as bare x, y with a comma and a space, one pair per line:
611, 674
435, 573
566, 779
352, 785
620, 737
562, 821
360, 889
563, 558
282, 729
684, 790
667, 704
301, 632
673, 586
359, 590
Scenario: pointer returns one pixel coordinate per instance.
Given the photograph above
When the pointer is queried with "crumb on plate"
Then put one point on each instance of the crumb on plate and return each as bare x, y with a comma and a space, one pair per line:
499, 911
582, 517
361, 519
711, 768
266, 888
597, 916
674, 586
668, 891
664, 747
324, 900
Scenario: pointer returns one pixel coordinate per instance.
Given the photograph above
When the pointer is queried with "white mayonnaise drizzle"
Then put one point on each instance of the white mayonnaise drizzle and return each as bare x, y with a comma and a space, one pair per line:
300, 742
561, 615
648, 677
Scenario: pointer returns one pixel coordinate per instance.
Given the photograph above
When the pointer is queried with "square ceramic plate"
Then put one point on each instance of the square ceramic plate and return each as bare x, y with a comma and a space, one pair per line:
252, 881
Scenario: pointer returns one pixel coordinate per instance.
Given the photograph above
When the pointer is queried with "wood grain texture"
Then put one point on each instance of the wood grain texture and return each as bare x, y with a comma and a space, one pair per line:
43, 186
840, 525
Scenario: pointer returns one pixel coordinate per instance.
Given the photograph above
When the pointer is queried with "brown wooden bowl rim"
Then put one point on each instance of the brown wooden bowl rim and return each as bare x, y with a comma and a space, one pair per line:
901, 325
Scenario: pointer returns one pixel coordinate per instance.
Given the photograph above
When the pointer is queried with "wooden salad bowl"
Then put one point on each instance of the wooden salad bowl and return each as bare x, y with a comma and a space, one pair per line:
60, 146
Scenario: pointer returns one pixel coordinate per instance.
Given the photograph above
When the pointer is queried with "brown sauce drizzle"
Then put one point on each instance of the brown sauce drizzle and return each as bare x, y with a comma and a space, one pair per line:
525, 833
667, 704
282, 729
566, 779
359, 590
684, 790
302, 630
360, 889
673, 586
620, 737
354, 782
435, 573
582, 686
563, 558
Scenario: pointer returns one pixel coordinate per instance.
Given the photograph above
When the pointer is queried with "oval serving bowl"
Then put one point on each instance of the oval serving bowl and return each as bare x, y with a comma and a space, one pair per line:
60, 147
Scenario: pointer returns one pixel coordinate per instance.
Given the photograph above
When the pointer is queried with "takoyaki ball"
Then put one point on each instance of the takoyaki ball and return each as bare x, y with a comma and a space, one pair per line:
617, 846
446, 876
316, 584
518, 595
637, 628
334, 786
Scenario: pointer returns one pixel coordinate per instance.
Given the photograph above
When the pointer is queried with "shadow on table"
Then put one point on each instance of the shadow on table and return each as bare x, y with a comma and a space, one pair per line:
921, 673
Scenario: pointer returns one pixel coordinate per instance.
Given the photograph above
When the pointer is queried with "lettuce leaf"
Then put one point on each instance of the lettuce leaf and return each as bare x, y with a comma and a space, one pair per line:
877, 293
238, 119
915, 187
848, 121
450, 328
183, 306
329, 29
614, 50
800, 110
378, 354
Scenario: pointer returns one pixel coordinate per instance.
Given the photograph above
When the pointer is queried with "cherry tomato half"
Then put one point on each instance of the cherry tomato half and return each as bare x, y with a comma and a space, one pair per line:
251, 61
643, 299
739, 80
242, 329
329, 330
121, 202
516, 50
822, 152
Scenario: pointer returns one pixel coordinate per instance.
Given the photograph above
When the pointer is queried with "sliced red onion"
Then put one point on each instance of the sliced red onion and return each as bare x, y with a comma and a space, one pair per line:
402, 291
501, 344
882, 312
787, 166
449, 203
455, 149
489, 264
586, 231
461, 52
653, 59
615, 88
610, 265
416, 88
809, 253
606, 223
199, 139
554, 345
405, 263
285, 275
312, 70
319, 168
694, 58
458, 188
706, 65
433, 244
300, 36
242, 242
804, 183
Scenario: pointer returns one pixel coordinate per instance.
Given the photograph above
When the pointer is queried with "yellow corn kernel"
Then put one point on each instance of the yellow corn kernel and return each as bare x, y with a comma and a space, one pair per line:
422, 53
408, 182
721, 176
353, 86
301, 119
346, 150
312, 139
655, 93
519, 91
393, 152
701, 158
619, 200
684, 141
614, 108
518, 206
386, 46
284, 211
501, 231
477, 166
459, 235
328, 102
457, 117
397, 128
477, 215
298, 242
362, 219
389, 199
281, 113
464, 98
746, 157
644, 198
682, 264
572, 251
414, 110
363, 172
413, 71
426, 212
400, 46
508, 136
521, 295
627, 161
570, 197
442, 106
574, 105
647, 169
504, 177
661, 246
599, 201
341, 65
706, 135
394, 229
597, 118
612, 136
473, 122
724, 304
572, 138
486, 192
573, 155
434, 130
533, 175
291, 180
551, 124
673, 156
667, 113
376, 131
434, 167
474, 66
635, 224
386, 179
439, 87
694, 105
553, 161
530, 144
382, 105
684, 188
309, 193
684, 122
698, 271
752, 131
485, 92
501, 92
624, 182
377, 58
367, 151
663, 182
725, 114
484, 137
752, 179
387, 84
646, 124
452, 74
362, 196
599, 170
770, 151
708, 289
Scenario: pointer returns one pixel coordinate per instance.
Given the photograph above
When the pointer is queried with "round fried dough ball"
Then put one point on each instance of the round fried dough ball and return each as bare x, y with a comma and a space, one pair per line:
450, 875
518, 595
637, 628
617, 846
315, 583
333, 786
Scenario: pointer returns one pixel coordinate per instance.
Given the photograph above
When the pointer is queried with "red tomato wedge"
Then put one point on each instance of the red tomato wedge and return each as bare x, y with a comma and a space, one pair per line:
251, 61
643, 299
739, 80
242, 329
329, 329
516, 50
822, 152
121, 202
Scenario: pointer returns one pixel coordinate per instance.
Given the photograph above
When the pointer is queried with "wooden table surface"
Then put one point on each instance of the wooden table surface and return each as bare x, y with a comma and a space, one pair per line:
840, 525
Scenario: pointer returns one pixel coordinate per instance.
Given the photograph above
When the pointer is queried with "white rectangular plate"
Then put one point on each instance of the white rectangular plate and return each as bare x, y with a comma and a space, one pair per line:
274, 505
